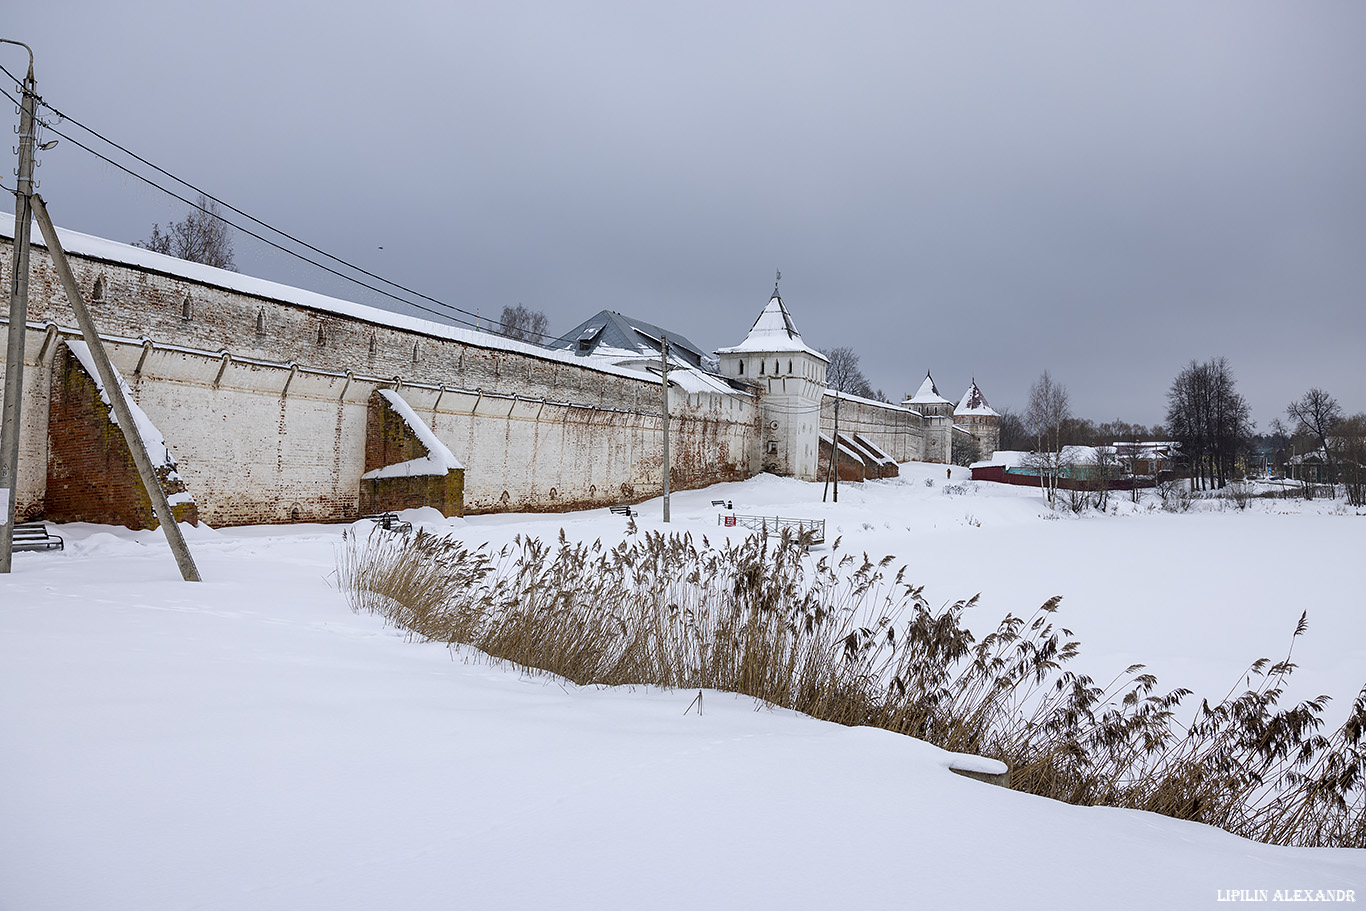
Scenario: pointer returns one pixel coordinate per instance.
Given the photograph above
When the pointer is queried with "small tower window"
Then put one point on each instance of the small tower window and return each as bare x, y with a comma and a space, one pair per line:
414, 352
187, 308
761, 368
261, 321
322, 336
98, 293
373, 344
789, 366
741, 365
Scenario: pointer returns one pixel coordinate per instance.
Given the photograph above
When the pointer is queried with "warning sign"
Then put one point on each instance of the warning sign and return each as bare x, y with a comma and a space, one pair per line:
730, 521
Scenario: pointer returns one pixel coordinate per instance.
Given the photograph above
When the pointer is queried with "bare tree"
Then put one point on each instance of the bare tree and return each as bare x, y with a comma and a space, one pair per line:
1349, 435
966, 449
1046, 417
1013, 435
201, 237
1210, 419
1104, 471
523, 324
843, 373
1317, 413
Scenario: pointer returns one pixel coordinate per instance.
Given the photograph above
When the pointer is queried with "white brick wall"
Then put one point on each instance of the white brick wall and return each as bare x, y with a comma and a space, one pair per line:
528, 425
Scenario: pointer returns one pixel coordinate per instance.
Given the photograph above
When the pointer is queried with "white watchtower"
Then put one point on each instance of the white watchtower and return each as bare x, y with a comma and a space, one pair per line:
937, 412
789, 378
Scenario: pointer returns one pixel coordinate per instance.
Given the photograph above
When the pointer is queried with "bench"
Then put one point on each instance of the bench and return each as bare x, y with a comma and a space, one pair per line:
623, 511
725, 503
35, 536
391, 522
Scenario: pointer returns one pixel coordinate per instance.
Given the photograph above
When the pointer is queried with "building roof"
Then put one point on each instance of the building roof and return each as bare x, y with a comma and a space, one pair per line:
928, 394
608, 333
973, 402
773, 331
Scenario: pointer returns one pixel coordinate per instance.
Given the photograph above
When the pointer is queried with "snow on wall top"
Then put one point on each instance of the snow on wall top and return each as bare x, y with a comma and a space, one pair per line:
112, 251
928, 394
152, 439
439, 459
772, 331
850, 397
1070, 455
973, 402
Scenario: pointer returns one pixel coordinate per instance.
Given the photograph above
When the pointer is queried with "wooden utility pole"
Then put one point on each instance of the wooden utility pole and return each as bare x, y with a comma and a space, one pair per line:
113, 388
18, 320
664, 385
833, 467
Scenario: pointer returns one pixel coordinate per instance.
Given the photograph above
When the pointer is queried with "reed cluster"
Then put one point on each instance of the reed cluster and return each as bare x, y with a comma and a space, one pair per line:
849, 639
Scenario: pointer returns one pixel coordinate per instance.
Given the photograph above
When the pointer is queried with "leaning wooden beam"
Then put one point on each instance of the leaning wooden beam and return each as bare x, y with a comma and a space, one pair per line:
114, 389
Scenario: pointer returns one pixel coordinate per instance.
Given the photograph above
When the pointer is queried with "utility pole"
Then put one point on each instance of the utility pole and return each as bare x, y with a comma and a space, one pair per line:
113, 389
664, 385
18, 319
833, 467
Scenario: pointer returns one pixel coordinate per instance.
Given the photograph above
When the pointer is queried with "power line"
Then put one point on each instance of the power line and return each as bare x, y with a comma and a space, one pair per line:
253, 219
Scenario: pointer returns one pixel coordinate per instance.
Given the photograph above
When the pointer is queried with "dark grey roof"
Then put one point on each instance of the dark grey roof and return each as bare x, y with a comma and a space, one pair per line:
609, 329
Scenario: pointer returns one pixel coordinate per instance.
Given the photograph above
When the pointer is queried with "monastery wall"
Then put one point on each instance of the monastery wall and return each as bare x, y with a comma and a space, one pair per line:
897, 431
263, 400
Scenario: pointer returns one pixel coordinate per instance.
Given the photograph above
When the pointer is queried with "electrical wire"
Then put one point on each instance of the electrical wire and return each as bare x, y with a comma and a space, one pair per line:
257, 221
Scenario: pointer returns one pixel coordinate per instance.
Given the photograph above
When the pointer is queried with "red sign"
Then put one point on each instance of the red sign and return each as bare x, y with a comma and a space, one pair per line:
730, 521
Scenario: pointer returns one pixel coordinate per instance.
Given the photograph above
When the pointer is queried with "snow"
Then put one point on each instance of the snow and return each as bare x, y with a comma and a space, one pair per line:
439, 459
848, 397
772, 332
850, 453
1070, 455
1006, 458
876, 451
973, 402
248, 743
928, 394
152, 439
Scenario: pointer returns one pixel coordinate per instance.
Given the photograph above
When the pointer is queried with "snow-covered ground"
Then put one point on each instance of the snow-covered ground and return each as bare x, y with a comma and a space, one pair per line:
249, 743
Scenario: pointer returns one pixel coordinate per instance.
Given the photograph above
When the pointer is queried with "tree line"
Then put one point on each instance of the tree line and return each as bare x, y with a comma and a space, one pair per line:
1211, 423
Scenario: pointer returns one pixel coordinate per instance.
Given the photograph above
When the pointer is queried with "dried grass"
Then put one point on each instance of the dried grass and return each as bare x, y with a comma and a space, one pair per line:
846, 639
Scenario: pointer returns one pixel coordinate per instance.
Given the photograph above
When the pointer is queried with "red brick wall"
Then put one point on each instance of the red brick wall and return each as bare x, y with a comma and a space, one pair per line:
91, 475
389, 441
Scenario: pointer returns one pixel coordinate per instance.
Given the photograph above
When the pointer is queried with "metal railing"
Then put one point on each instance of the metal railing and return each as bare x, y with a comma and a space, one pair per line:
811, 530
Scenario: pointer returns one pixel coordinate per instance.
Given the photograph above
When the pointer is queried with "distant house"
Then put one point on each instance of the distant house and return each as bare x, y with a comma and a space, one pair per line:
1311, 467
1145, 459
1078, 467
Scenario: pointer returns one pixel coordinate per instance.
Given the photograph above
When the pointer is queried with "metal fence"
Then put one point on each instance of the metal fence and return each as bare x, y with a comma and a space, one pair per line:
812, 530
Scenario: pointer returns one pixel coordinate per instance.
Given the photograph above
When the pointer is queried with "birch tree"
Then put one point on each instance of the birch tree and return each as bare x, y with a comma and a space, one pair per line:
1048, 411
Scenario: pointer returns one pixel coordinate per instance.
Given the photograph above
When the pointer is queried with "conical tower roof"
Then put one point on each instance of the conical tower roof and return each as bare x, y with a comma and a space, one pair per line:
974, 402
928, 394
773, 331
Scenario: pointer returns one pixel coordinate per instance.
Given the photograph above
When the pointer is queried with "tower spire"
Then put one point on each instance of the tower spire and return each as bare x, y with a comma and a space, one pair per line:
775, 282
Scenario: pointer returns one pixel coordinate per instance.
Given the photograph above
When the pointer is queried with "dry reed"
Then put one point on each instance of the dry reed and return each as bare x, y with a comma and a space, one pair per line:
843, 638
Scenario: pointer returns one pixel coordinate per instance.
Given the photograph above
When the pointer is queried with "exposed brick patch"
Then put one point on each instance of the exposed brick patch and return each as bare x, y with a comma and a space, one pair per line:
91, 474
390, 441
848, 467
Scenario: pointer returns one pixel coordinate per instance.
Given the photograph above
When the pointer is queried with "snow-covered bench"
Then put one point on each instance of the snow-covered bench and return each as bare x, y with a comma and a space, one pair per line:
391, 522
35, 536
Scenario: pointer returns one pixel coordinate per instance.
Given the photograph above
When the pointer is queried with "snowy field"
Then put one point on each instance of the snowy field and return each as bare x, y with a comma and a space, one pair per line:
249, 743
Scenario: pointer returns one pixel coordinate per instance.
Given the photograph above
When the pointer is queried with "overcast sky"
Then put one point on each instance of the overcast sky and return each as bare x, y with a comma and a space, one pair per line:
1103, 190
